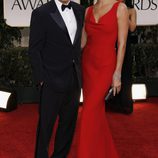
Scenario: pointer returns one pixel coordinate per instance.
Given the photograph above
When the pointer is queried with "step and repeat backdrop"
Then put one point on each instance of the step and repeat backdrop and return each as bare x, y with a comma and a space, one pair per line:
18, 12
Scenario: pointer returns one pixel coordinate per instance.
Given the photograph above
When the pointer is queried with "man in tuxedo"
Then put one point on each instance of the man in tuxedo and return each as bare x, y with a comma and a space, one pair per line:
54, 49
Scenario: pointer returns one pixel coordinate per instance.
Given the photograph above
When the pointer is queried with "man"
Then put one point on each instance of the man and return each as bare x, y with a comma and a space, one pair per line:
54, 49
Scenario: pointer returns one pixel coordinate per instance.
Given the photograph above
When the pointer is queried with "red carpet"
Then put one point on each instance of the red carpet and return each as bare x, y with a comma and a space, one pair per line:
135, 136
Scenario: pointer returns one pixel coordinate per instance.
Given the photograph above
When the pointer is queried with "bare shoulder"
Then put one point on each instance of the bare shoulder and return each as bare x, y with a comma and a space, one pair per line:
122, 9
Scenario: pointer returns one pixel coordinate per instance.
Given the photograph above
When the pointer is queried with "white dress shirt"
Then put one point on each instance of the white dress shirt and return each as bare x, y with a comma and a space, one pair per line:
69, 19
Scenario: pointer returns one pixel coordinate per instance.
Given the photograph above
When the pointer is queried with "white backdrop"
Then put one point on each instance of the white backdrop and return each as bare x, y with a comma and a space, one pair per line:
18, 12
147, 12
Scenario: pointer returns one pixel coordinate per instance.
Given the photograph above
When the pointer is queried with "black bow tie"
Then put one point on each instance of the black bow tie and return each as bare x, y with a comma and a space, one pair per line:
63, 7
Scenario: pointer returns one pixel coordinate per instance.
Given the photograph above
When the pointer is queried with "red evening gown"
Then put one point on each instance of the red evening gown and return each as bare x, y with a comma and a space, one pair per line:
98, 65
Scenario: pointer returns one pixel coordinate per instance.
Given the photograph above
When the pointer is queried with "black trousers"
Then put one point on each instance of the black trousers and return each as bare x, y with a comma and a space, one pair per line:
53, 104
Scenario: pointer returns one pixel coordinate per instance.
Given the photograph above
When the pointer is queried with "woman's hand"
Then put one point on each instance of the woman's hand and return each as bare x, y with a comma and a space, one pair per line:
116, 82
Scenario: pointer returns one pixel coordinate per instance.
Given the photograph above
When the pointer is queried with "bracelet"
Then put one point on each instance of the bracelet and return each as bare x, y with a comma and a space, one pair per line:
117, 76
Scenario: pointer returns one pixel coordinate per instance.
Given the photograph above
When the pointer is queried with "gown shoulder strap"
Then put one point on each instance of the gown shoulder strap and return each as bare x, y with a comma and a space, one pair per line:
88, 12
115, 6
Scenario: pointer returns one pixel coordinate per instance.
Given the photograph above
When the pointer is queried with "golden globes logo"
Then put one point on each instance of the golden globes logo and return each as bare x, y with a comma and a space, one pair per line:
18, 12
146, 4
25, 4
147, 10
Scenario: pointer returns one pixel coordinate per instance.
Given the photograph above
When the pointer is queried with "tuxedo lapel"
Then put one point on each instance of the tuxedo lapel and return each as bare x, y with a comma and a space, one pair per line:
56, 16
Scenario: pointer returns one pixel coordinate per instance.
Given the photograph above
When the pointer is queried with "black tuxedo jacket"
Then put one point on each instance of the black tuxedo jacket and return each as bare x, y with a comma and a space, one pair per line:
52, 54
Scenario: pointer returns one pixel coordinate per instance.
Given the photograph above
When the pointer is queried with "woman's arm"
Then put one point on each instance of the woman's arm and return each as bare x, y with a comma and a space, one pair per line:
84, 35
123, 26
132, 19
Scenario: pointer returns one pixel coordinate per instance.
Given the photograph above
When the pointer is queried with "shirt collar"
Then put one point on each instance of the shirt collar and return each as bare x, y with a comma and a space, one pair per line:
59, 4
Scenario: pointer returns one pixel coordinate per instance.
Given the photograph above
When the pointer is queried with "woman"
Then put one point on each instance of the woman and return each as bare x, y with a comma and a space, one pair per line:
105, 23
123, 102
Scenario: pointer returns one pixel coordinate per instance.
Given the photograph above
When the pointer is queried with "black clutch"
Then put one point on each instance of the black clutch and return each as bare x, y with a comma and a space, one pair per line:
110, 95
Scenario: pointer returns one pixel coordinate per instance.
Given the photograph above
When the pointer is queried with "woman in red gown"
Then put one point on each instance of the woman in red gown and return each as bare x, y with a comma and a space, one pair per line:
105, 23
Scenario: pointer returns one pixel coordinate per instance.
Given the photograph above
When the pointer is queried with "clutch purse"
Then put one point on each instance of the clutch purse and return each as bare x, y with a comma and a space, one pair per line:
110, 95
